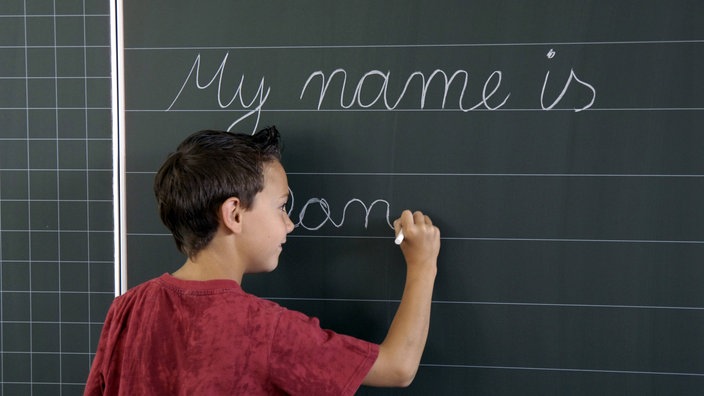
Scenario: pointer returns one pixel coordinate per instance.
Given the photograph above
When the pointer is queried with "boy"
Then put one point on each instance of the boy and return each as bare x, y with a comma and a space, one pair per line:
196, 332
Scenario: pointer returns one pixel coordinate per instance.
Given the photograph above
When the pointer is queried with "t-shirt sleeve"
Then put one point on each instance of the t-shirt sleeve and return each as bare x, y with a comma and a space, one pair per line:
307, 360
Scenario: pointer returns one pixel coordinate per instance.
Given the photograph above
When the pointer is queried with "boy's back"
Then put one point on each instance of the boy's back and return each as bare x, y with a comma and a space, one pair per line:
170, 336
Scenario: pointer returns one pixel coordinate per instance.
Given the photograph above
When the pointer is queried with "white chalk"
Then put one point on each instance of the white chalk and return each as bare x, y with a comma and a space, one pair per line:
399, 238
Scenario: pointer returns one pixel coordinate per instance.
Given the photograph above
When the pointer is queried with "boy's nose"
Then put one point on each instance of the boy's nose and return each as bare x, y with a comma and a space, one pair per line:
289, 225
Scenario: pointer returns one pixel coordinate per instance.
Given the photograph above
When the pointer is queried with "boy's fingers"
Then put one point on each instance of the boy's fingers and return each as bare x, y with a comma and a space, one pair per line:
406, 217
410, 220
419, 218
428, 221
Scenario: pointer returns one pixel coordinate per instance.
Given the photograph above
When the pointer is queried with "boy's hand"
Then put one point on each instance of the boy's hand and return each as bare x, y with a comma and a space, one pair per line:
421, 243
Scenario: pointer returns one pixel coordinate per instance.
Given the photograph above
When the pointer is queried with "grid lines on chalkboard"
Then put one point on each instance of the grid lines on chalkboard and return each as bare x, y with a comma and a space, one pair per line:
56, 235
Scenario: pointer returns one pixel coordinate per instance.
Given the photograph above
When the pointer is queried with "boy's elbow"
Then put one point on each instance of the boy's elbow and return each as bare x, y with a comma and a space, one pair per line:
392, 373
405, 374
394, 367
406, 381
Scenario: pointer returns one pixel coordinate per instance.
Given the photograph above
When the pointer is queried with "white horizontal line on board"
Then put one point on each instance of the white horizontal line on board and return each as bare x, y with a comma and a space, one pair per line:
508, 239
55, 139
558, 305
496, 303
686, 242
58, 230
53, 108
384, 174
51, 15
36, 383
58, 292
491, 174
55, 200
50, 322
385, 110
446, 45
76, 77
573, 370
38, 261
20, 46
498, 239
106, 170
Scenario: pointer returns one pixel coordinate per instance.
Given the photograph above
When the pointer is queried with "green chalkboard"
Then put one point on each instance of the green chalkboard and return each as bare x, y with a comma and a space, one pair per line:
56, 196
557, 144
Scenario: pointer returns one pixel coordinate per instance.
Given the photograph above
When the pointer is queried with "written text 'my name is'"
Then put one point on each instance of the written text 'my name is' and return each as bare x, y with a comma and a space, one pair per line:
371, 90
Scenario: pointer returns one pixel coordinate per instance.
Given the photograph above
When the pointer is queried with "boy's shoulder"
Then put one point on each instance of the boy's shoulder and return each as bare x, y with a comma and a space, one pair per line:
221, 291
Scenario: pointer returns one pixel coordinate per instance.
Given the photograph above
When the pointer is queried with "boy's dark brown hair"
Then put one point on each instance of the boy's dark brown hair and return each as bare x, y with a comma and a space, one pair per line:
207, 168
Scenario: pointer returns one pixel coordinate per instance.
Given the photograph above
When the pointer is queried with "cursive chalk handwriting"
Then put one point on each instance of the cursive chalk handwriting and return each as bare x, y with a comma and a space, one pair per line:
491, 86
492, 97
322, 205
254, 106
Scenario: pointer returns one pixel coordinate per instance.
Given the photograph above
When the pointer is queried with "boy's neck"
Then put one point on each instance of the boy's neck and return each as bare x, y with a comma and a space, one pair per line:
206, 267
217, 260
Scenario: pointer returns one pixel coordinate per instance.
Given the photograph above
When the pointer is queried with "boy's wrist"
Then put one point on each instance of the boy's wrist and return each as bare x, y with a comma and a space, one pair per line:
425, 270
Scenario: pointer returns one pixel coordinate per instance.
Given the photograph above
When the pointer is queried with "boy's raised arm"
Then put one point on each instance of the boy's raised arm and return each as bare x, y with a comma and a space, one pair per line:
401, 350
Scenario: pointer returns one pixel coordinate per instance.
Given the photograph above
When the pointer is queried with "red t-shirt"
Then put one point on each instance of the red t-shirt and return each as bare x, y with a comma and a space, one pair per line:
174, 337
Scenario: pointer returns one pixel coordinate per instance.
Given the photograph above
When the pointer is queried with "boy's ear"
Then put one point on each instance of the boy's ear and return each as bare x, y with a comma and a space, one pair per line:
231, 214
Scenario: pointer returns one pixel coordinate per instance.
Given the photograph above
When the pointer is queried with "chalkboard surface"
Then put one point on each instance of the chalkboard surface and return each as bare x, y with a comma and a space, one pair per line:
56, 202
557, 144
